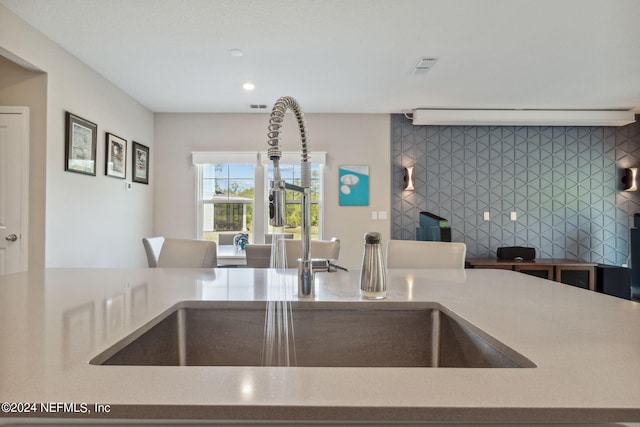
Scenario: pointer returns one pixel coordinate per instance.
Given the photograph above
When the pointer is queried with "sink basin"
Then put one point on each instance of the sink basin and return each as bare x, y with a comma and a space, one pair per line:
326, 334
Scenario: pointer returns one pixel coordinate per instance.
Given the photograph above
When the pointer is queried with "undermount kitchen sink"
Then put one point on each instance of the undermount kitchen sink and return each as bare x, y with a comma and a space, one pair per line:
325, 334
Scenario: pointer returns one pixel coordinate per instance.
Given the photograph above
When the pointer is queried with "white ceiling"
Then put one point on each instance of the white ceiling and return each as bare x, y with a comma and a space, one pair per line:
354, 56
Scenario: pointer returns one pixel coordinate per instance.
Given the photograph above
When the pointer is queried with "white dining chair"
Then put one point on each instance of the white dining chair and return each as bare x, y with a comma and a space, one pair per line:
258, 255
226, 238
328, 249
268, 238
187, 253
420, 254
152, 246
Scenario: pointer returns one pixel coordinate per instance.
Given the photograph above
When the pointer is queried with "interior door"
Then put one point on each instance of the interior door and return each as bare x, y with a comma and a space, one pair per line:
14, 189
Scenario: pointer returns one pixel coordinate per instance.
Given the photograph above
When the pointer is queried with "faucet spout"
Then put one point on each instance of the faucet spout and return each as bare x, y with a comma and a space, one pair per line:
278, 187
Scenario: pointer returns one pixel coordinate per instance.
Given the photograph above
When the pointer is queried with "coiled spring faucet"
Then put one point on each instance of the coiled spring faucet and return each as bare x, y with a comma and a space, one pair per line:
278, 186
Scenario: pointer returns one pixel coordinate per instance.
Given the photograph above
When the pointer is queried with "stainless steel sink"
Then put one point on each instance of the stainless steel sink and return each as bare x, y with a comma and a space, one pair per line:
326, 334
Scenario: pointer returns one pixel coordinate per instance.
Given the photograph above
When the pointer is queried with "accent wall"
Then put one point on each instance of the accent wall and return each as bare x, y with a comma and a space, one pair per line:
562, 182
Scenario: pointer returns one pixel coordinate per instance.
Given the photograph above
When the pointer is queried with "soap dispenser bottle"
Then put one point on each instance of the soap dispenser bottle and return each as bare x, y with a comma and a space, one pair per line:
373, 275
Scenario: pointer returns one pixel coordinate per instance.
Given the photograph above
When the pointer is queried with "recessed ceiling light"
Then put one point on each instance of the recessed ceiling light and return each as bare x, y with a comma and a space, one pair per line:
236, 52
248, 86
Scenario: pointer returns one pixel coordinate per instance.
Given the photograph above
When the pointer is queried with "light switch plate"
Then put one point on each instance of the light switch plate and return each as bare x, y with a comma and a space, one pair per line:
485, 216
374, 215
514, 216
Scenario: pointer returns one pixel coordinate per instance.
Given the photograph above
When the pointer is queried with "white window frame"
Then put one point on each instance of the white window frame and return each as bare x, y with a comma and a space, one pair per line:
201, 158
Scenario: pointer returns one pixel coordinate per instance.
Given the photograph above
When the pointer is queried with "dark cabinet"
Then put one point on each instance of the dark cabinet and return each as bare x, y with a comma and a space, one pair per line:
576, 273
614, 280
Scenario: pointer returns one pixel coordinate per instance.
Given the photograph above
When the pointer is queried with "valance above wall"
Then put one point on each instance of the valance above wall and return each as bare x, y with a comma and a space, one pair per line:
248, 157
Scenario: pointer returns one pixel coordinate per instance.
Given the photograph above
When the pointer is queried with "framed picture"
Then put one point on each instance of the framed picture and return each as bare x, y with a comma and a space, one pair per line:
140, 163
353, 183
80, 145
116, 156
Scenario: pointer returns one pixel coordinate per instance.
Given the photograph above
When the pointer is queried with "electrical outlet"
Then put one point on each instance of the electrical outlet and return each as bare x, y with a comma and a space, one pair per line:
382, 215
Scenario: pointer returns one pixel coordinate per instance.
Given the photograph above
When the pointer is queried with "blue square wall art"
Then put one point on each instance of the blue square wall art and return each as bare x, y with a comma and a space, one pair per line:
354, 185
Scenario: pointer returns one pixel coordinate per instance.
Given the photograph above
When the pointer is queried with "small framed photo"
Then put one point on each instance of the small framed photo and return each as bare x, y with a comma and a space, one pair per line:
80, 145
116, 156
140, 163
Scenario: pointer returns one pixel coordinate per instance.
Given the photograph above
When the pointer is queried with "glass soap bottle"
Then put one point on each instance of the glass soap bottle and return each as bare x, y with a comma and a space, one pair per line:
373, 274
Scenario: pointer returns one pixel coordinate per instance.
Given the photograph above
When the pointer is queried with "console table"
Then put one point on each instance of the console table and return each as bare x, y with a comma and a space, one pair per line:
549, 268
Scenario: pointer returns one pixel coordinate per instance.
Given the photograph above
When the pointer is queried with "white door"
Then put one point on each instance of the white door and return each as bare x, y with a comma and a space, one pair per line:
14, 188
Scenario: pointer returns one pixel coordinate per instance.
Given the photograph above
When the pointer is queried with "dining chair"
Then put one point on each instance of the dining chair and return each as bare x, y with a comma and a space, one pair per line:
329, 249
423, 254
187, 253
268, 238
152, 246
258, 255
226, 238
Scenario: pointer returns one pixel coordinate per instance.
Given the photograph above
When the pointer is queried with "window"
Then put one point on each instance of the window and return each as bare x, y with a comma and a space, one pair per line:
291, 173
226, 199
230, 184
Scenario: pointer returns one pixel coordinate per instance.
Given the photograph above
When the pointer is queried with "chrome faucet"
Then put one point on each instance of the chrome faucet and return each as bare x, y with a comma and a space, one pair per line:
306, 266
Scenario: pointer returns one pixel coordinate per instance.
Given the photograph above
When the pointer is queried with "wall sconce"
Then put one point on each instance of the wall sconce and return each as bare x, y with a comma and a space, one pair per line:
630, 179
408, 179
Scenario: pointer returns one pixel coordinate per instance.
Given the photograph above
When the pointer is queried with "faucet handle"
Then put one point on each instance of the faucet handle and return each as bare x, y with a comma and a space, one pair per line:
336, 266
325, 265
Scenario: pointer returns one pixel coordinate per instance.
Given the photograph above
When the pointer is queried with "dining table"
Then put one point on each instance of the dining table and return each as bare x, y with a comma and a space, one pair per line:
231, 255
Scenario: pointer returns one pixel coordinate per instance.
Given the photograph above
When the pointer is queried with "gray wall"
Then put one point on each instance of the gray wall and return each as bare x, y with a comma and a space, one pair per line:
563, 182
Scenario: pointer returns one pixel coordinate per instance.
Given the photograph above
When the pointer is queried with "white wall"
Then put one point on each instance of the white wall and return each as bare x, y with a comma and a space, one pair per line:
362, 139
90, 221
95, 222
23, 87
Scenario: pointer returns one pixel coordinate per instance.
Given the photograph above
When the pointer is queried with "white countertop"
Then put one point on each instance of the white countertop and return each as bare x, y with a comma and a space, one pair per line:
586, 347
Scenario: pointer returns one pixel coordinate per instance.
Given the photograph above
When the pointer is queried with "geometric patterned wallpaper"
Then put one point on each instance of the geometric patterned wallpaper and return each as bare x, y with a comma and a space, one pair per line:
563, 183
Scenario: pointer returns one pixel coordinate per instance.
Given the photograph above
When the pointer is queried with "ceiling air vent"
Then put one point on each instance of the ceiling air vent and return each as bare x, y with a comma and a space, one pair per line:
259, 106
424, 65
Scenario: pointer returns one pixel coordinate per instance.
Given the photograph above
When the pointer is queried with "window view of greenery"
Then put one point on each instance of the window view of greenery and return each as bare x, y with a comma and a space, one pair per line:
227, 200
291, 174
